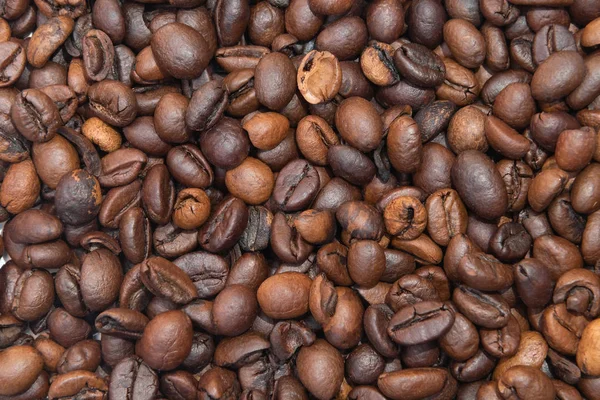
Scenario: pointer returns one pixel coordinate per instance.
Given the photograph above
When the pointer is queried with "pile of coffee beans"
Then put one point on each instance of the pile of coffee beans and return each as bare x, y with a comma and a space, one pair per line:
300, 199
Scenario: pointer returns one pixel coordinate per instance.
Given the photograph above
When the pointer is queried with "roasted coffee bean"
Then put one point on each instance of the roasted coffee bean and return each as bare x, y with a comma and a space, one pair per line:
425, 22
167, 331
234, 310
78, 197
350, 164
35, 115
377, 63
208, 272
465, 42
413, 383
511, 242
254, 171
474, 173
132, 377
320, 369
274, 80
359, 124
319, 77
237, 144
225, 226
574, 67
122, 322
112, 102
420, 323
487, 310
165, 279
313, 198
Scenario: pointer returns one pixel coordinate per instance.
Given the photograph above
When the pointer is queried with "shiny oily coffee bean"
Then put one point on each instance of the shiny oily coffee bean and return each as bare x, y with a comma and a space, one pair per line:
419, 65
420, 323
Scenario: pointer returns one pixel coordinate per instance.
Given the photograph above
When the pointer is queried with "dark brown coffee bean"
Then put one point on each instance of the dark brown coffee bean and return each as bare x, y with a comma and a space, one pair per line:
165, 279
313, 361
550, 39
112, 102
133, 377
420, 323
158, 194
425, 22
33, 295
100, 266
98, 54
301, 21
419, 65
350, 164
35, 115
234, 310
208, 272
166, 341
236, 150
122, 322
474, 176
188, 166
231, 19
413, 383
545, 86
274, 80
465, 42
225, 226
487, 310
461, 342
344, 38
410, 289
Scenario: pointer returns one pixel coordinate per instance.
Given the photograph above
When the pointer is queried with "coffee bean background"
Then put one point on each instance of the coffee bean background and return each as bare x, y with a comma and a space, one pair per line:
300, 199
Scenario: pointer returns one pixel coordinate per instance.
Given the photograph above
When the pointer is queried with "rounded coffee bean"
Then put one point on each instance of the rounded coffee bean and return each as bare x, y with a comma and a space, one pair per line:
479, 184
226, 144
189, 167
78, 197
359, 124
362, 253
284, 296
319, 77
350, 164
296, 186
180, 50
274, 80
21, 367
166, 341
234, 310
20, 187
420, 323
165, 279
251, 181
425, 22
320, 369
465, 42
112, 102
35, 115
547, 86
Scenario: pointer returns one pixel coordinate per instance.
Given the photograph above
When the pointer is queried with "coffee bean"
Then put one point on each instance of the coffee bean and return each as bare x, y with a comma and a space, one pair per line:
312, 198
319, 77
420, 323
